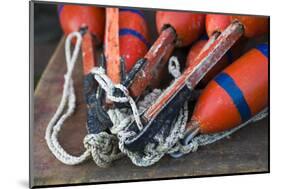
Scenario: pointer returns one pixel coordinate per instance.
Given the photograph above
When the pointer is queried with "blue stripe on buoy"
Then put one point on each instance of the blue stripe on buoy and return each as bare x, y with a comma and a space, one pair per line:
60, 8
228, 84
229, 56
127, 31
140, 13
263, 48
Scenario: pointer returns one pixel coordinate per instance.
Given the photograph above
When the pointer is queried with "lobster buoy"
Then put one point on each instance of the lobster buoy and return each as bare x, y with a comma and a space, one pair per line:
133, 36
75, 17
227, 59
188, 26
234, 96
253, 25
175, 29
89, 18
216, 23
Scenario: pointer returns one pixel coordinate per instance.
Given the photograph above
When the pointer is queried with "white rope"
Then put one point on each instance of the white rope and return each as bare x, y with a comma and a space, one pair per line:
68, 99
108, 86
102, 146
204, 139
152, 153
174, 67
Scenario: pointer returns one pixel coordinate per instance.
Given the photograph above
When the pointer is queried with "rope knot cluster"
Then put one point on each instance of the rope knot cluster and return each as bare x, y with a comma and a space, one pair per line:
103, 147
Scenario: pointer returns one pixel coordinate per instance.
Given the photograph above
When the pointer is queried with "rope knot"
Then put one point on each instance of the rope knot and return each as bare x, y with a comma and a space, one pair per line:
103, 147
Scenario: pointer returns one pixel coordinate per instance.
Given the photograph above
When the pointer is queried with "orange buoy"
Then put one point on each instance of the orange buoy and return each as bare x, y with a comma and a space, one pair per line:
75, 17
124, 38
92, 20
188, 26
227, 59
234, 96
159, 117
216, 23
133, 36
175, 29
253, 25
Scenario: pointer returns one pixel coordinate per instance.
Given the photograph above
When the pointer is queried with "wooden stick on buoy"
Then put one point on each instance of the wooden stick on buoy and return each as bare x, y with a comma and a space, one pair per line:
89, 20
111, 45
172, 99
175, 29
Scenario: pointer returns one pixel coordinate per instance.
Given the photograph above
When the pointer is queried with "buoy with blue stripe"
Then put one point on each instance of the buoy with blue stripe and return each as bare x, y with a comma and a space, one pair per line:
88, 20
126, 42
133, 36
233, 96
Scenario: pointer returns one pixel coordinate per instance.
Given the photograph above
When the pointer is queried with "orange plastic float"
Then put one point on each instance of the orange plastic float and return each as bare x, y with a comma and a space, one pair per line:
234, 96
216, 23
175, 29
159, 117
90, 21
126, 39
253, 25
188, 26
133, 36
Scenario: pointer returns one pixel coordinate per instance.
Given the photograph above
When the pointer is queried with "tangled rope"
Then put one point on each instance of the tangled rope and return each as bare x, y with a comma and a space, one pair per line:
153, 153
103, 147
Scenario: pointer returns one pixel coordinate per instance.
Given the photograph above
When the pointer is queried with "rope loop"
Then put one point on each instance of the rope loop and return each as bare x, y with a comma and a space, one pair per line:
109, 87
174, 67
102, 146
